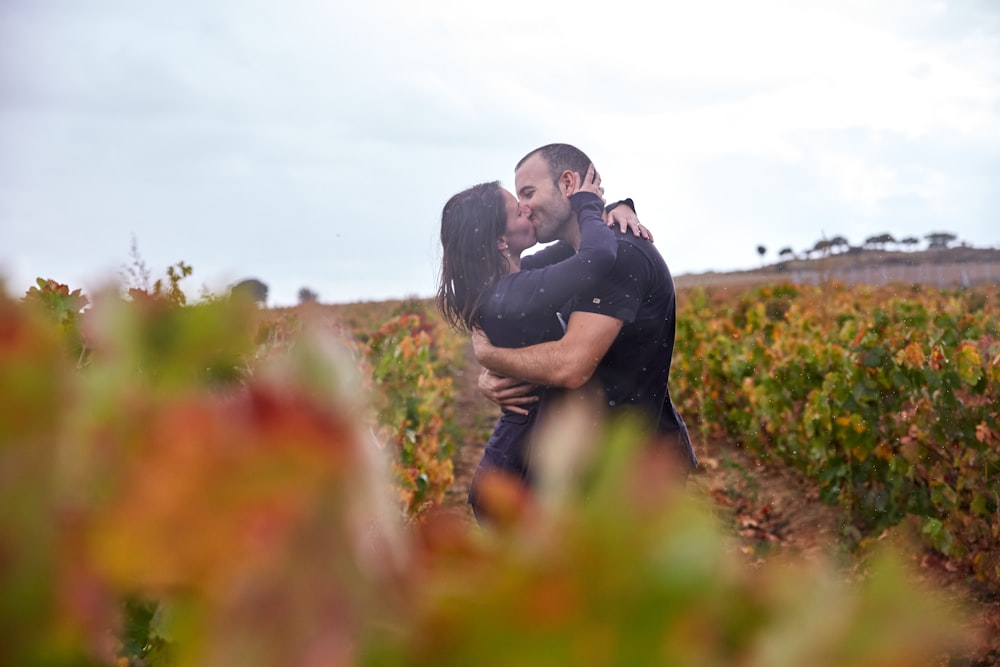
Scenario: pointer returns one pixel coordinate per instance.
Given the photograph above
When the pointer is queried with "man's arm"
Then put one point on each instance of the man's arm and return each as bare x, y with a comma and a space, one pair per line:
568, 362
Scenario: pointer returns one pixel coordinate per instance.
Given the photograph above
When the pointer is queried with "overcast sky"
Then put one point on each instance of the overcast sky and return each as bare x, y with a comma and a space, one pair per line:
310, 143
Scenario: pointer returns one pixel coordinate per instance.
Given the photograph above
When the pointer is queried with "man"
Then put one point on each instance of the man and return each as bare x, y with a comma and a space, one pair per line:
621, 332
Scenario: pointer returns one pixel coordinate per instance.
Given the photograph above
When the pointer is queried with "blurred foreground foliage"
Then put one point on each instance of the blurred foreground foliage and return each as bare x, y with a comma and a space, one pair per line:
188, 485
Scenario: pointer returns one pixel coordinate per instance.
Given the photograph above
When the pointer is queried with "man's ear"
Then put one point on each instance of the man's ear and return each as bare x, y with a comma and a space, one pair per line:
568, 182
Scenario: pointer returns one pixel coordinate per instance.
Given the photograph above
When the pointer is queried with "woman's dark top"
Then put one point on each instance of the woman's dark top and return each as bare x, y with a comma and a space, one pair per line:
523, 311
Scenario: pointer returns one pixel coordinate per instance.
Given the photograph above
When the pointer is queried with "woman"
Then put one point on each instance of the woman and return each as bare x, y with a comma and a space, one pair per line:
486, 283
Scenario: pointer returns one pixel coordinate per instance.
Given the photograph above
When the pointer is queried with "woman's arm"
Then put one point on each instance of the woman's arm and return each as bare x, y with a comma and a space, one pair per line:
529, 292
620, 213
556, 252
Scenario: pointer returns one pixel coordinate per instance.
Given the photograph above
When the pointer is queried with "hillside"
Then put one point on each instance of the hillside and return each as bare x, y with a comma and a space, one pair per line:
960, 266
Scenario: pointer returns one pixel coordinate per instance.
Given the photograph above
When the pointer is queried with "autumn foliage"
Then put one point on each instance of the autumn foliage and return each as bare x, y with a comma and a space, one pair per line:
888, 397
410, 366
204, 484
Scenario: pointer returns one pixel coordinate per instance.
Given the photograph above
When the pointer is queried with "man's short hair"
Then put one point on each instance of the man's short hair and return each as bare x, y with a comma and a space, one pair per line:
560, 157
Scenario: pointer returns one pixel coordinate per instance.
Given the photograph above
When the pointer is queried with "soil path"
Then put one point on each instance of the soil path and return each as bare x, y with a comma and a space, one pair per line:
768, 508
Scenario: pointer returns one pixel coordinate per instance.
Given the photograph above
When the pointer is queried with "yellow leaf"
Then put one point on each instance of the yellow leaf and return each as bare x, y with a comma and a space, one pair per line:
883, 451
912, 356
969, 363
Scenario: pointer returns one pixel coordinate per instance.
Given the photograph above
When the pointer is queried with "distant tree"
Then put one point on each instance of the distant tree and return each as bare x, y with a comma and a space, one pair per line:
761, 250
786, 252
879, 242
251, 287
822, 247
306, 295
939, 240
910, 241
839, 243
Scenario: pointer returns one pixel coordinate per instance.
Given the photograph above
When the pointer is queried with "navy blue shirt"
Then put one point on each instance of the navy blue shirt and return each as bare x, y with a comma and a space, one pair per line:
635, 372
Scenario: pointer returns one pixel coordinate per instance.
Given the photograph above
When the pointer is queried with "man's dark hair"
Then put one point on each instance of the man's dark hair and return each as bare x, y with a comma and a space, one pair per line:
560, 157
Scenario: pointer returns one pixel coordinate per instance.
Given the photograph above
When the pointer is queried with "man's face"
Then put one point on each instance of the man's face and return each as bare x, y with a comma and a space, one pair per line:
547, 206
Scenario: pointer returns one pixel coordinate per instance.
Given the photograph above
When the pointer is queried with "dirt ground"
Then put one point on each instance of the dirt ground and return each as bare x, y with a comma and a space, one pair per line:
770, 509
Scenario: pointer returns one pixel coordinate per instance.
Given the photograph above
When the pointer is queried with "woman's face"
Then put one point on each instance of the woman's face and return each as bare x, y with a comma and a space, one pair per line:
520, 233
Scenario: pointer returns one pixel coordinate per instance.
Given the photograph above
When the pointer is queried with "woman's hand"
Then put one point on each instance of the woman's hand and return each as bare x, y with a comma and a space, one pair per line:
626, 219
621, 215
591, 183
506, 392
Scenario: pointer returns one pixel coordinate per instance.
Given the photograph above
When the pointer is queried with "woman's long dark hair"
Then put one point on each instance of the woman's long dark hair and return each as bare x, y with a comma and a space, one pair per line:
471, 263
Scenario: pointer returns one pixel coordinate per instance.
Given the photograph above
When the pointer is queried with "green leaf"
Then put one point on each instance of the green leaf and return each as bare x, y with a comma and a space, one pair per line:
978, 505
932, 528
969, 363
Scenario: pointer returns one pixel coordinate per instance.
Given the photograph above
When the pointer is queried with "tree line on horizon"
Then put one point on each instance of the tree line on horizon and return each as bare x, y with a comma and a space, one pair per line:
839, 244
257, 290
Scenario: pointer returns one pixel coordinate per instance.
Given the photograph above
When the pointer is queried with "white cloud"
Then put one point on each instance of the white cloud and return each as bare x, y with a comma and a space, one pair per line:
865, 186
313, 144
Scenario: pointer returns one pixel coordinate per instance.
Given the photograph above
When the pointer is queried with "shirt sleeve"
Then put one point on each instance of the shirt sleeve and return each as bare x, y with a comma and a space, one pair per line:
548, 288
556, 252
619, 295
628, 202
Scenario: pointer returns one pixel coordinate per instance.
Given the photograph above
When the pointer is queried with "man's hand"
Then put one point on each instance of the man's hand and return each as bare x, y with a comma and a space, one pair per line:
506, 392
